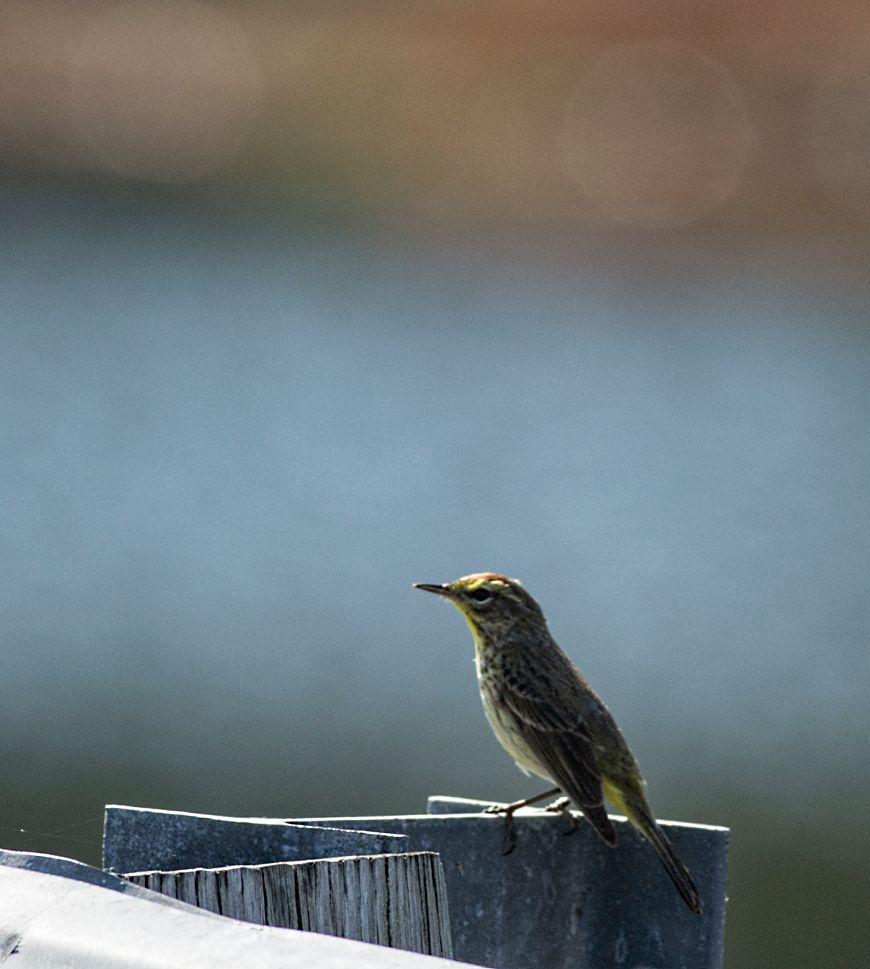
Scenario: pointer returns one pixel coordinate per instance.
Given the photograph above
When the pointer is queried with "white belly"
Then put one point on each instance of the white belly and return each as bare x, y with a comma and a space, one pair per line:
509, 737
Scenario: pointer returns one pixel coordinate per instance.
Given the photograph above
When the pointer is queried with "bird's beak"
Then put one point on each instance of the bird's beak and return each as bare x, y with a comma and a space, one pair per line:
439, 590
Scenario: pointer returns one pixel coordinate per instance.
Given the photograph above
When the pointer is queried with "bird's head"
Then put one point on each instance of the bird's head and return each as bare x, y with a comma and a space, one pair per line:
491, 603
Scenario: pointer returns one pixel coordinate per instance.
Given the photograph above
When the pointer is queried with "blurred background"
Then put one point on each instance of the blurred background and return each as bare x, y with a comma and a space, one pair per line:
304, 302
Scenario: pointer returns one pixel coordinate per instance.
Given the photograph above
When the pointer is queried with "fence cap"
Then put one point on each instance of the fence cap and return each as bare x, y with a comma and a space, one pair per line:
448, 804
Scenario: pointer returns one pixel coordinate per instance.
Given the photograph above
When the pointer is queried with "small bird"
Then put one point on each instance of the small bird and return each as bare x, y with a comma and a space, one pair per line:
549, 719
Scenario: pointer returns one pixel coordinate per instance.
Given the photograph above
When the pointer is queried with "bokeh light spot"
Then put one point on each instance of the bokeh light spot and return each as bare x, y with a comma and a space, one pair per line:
656, 134
838, 129
164, 91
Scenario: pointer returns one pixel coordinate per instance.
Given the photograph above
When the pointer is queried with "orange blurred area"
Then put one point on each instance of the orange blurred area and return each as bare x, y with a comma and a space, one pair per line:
747, 121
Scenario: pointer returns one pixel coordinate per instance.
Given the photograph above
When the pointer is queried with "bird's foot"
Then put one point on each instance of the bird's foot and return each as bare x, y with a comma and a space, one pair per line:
510, 835
508, 811
562, 806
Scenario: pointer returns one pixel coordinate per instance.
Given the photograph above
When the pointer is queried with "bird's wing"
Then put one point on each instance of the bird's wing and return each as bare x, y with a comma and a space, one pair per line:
562, 744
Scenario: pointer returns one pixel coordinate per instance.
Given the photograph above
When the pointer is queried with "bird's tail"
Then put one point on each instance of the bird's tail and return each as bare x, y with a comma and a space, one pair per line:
633, 804
677, 871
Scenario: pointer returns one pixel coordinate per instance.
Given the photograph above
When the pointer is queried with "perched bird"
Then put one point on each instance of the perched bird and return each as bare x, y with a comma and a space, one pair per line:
549, 719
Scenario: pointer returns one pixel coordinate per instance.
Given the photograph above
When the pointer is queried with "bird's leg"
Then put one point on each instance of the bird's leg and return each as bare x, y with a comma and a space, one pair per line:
508, 811
561, 806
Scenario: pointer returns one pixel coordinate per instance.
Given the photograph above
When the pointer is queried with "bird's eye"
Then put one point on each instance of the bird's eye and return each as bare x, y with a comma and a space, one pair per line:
480, 595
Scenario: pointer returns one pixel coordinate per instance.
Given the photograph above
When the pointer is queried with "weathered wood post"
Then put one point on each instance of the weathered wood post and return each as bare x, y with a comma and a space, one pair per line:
396, 900
556, 902
353, 883
136, 839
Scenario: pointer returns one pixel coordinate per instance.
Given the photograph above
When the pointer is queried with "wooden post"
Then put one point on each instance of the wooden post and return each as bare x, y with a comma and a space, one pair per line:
396, 900
135, 840
555, 902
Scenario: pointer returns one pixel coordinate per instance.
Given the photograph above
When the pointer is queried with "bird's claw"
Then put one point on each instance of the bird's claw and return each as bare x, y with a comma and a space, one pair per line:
508, 811
510, 835
561, 806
